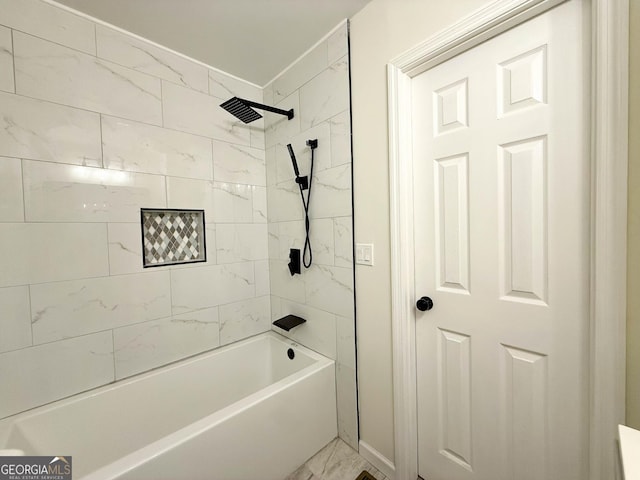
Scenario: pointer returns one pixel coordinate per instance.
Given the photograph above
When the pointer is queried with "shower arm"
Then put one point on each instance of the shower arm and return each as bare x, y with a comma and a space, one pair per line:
286, 113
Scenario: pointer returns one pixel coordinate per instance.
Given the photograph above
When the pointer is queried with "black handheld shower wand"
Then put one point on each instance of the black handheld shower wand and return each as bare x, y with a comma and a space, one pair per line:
302, 181
293, 160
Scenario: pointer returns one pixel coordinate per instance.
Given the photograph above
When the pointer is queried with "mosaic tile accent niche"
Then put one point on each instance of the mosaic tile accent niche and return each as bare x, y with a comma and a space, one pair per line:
171, 237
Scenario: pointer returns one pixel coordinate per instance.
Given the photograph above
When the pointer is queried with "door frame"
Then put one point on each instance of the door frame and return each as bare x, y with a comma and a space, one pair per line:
608, 259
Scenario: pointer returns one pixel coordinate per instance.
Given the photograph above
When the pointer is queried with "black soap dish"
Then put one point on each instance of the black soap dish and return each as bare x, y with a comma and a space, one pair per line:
288, 322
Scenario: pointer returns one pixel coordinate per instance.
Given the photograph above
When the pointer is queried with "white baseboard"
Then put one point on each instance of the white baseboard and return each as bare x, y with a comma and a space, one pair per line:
378, 460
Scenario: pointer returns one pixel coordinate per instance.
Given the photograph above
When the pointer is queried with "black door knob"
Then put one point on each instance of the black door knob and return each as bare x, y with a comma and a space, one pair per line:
424, 304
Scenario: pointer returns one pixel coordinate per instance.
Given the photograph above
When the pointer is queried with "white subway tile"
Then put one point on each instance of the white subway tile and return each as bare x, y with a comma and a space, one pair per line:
244, 319
210, 232
59, 74
202, 287
262, 278
233, 203
284, 236
322, 241
141, 347
241, 242
283, 284
284, 202
6, 61
347, 405
49, 252
337, 44
260, 210
45, 131
271, 164
325, 96
186, 193
225, 87
37, 375
276, 308
340, 139
330, 289
137, 147
125, 248
256, 133
238, 164
278, 128
332, 193
317, 333
15, 319
343, 240
71, 193
300, 72
273, 232
11, 199
346, 342
70, 309
195, 112
267, 94
144, 57
50, 22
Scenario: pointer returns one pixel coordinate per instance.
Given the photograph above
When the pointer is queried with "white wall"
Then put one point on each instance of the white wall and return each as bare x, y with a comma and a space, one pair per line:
317, 88
379, 32
95, 124
633, 239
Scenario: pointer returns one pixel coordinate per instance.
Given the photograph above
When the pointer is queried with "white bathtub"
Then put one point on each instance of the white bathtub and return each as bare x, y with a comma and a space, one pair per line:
245, 412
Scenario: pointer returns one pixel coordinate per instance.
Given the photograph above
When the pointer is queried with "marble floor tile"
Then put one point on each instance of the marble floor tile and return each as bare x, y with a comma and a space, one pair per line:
336, 461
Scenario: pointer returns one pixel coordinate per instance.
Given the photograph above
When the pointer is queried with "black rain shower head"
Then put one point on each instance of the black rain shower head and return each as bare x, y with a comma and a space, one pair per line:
242, 109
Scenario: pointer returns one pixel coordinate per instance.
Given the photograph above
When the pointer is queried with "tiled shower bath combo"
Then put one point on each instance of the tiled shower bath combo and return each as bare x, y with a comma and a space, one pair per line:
115, 157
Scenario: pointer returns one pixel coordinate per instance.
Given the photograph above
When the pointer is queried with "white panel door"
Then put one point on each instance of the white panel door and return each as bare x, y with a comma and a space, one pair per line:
502, 208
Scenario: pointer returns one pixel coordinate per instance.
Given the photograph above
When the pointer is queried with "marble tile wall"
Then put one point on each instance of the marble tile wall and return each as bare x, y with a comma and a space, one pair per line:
96, 124
317, 88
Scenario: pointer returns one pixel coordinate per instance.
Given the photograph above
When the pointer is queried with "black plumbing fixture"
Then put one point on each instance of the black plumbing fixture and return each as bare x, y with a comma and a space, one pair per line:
291, 354
294, 261
242, 109
305, 184
302, 181
288, 322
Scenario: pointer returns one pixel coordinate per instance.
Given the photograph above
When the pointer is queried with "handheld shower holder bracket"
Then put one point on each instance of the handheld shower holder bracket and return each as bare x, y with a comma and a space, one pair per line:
313, 144
303, 182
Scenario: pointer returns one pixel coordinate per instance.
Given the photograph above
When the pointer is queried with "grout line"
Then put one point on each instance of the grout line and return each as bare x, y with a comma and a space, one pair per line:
120, 117
95, 38
108, 250
23, 187
162, 102
101, 144
113, 353
30, 312
13, 59
53, 162
171, 293
213, 163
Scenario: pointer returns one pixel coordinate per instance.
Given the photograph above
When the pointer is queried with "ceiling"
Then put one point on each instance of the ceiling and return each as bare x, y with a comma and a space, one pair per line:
252, 39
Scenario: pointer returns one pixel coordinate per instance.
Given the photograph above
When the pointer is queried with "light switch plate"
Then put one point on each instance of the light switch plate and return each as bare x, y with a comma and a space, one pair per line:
364, 254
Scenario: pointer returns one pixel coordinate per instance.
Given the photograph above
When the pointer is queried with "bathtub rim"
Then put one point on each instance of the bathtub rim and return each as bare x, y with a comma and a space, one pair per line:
319, 362
138, 457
